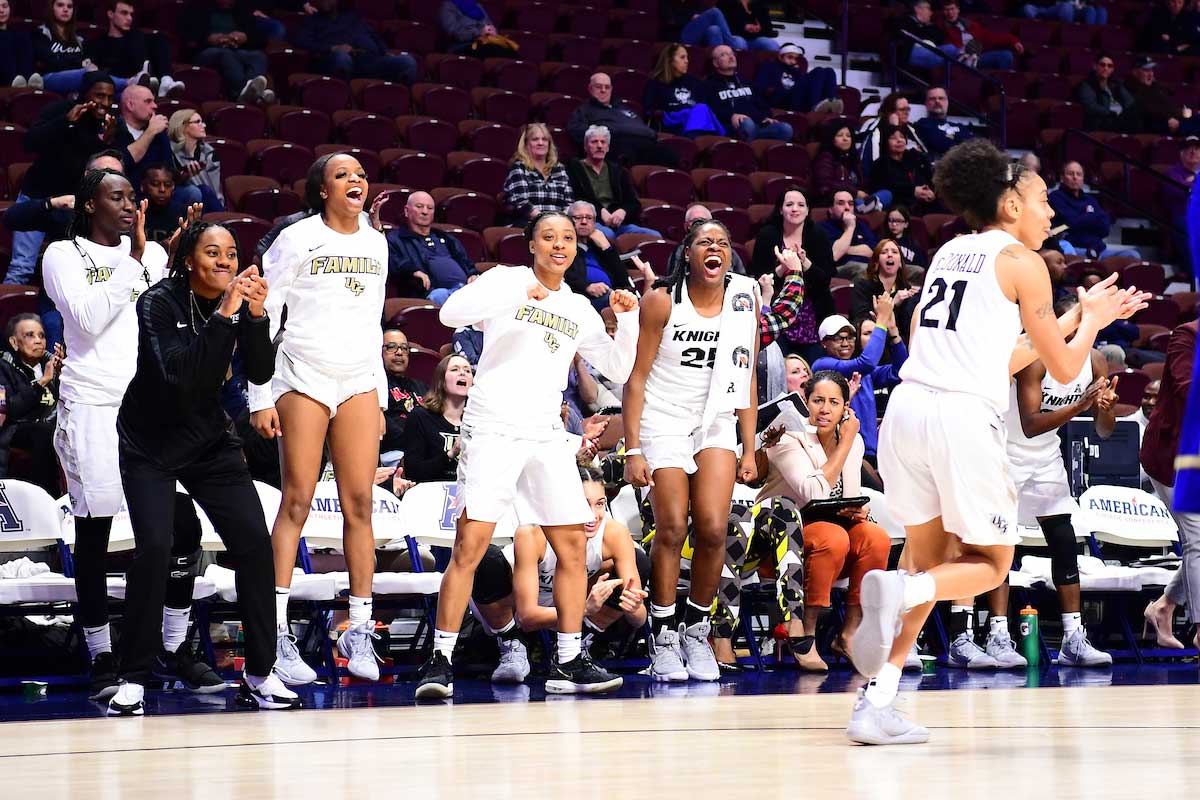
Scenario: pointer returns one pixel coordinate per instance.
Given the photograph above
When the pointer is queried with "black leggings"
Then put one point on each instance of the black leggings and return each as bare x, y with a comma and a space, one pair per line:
91, 552
494, 575
219, 481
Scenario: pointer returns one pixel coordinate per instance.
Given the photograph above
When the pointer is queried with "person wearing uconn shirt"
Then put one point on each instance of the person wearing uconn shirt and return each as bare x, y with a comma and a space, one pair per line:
436, 259
937, 132
1087, 221
736, 104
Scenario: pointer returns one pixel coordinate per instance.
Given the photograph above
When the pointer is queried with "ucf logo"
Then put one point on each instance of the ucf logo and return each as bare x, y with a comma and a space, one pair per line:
552, 342
356, 288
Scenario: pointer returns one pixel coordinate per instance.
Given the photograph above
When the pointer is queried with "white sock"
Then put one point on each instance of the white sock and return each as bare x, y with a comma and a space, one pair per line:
1070, 622
282, 593
998, 625
129, 694
661, 612
175, 627
443, 642
919, 589
98, 639
881, 691
504, 631
360, 610
569, 646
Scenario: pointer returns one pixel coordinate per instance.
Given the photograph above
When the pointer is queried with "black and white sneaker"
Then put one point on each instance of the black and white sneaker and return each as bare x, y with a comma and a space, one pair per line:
437, 679
129, 701
182, 666
104, 677
270, 695
581, 676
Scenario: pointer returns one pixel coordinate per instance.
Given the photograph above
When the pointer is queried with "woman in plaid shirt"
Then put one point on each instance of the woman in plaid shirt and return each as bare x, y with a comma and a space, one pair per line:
536, 181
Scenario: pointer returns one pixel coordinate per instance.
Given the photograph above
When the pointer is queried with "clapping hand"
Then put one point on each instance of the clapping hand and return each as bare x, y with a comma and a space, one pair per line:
772, 435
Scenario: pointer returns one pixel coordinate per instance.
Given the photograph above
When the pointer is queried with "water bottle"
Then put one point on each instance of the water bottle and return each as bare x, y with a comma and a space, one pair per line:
1031, 646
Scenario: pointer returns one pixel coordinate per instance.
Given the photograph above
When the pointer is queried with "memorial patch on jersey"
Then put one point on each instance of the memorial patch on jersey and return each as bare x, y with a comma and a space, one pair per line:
538, 316
345, 265
741, 357
743, 302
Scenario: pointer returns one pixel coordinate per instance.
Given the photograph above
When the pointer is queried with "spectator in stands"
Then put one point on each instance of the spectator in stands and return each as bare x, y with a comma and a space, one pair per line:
985, 48
676, 99
16, 52
886, 274
195, 159
906, 174
1107, 104
852, 239
817, 464
1176, 199
404, 395
225, 37
750, 23
697, 211
597, 268
435, 258
1085, 11
633, 141
785, 83
898, 224
58, 52
1171, 29
605, 184
536, 181
1114, 357
1124, 334
919, 23
894, 110
1156, 111
142, 132
431, 444
131, 54
470, 30
744, 113
64, 137
790, 227
157, 189
694, 23
1159, 448
1031, 162
342, 44
1056, 265
837, 168
29, 375
841, 341
938, 133
1087, 222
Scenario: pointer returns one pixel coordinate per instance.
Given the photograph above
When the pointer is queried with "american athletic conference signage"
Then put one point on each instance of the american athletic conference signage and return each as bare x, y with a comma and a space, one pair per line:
1128, 513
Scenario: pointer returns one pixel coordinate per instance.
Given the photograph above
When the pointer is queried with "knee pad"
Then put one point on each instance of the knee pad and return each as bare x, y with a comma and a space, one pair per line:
1064, 553
187, 566
493, 577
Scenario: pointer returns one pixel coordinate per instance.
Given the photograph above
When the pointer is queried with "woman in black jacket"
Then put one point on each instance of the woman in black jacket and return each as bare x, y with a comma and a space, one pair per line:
907, 174
430, 438
677, 100
171, 428
791, 227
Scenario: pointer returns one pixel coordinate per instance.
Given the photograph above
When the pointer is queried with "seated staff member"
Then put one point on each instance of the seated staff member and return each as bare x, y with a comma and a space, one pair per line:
514, 587
821, 464
172, 429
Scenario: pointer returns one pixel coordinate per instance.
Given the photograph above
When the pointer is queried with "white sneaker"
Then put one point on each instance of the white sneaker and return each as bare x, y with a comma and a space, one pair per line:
268, 97
355, 645
514, 662
289, 666
698, 654
1077, 651
270, 695
129, 701
141, 75
252, 90
19, 82
36, 81
912, 661
871, 725
1000, 646
667, 664
965, 654
169, 85
882, 604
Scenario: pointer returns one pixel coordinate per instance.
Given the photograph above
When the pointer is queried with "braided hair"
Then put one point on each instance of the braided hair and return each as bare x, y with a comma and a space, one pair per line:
678, 274
81, 225
188, 238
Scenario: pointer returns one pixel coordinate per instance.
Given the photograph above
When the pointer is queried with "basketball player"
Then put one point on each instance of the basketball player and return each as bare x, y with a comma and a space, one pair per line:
514, 587
515, 452
95, 279
691, 389
942, 448
329, 271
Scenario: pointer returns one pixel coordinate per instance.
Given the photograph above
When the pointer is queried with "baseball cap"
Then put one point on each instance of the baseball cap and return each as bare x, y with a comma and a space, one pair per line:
832, 325
1144, 62
1192, 141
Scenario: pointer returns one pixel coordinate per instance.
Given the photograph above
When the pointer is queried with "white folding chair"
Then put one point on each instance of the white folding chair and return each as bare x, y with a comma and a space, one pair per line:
30, 520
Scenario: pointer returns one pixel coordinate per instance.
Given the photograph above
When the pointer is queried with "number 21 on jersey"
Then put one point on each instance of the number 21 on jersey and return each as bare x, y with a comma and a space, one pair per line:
956, 291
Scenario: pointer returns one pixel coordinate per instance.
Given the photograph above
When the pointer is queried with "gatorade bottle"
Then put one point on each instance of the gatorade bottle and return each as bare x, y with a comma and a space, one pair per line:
1030, 640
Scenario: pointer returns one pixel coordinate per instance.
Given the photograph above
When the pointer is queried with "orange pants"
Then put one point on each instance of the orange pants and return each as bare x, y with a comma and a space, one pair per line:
832, 552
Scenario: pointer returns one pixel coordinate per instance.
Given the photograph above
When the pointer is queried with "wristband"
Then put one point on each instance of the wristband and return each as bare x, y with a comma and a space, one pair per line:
633, 451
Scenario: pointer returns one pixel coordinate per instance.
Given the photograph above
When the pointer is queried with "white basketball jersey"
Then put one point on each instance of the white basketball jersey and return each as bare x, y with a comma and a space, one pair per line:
966, 328
1044, 447
683, 367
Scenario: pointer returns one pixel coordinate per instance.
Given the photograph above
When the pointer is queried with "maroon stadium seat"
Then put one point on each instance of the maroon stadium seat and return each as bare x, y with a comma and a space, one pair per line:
284, 161
382, 97
234, 121
428, 134
363, 129
369, 159
413, 168
463, 207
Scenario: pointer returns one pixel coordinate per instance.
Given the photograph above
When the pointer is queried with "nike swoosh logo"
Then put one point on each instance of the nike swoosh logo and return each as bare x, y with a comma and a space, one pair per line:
678, 324
318, 247
180, 324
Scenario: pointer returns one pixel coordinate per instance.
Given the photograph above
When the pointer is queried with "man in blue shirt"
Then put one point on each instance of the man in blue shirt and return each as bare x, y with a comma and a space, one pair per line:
1087, 221
852, 241
436, 259
937, 132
